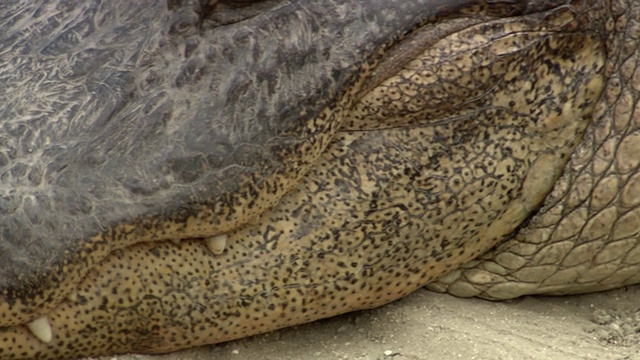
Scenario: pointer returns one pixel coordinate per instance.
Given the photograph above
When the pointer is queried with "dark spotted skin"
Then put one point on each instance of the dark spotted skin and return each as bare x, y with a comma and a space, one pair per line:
439, 155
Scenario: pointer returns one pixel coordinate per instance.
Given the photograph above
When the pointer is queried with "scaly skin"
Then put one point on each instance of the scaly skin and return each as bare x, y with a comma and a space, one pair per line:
443, 152
585, 236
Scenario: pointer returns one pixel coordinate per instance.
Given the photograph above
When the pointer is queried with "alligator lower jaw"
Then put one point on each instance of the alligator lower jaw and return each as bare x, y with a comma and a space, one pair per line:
41, 326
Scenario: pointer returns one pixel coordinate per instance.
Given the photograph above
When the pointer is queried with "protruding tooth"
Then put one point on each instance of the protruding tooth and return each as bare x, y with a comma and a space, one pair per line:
73, 297
41, 328
175, 241
216, 244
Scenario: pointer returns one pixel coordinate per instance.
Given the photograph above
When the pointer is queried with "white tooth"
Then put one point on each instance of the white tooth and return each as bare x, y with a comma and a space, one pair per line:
175, 241
41, 328
216, 244
73, 297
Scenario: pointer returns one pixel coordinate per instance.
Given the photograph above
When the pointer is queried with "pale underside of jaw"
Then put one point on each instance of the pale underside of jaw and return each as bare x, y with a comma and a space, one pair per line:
41, 327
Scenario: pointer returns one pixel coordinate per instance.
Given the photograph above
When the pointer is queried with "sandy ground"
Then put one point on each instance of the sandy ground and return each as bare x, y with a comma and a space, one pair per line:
427, 326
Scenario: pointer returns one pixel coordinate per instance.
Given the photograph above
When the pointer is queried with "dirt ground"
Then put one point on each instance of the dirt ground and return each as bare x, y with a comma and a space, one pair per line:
427, 326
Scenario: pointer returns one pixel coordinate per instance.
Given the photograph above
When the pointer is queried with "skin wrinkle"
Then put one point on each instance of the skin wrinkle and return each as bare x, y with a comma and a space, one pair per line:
398, 195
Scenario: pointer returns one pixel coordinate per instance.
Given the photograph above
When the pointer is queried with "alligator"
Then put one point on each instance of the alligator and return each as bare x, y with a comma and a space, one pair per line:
178, 173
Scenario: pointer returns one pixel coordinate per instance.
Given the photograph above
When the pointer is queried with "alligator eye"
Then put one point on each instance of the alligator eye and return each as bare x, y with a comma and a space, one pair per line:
223, 12
191, 17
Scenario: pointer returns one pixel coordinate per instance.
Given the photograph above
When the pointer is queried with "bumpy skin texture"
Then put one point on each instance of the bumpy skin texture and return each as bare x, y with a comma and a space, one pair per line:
585, 237
440, 129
